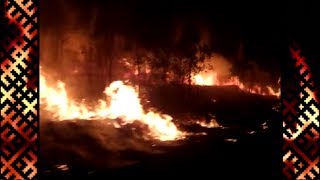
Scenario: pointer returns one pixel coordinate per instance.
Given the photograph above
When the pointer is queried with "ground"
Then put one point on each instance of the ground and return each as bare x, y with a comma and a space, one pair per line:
245, 146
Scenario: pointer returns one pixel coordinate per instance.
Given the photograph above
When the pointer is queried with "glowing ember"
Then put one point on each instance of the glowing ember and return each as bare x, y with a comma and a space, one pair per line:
212, 124
122, 102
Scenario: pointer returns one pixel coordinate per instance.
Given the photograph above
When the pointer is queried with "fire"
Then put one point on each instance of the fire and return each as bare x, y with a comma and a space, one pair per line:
57, 101
212, 124
273, 92
220, 76
211, 79
216, 71
122, 102
205, 79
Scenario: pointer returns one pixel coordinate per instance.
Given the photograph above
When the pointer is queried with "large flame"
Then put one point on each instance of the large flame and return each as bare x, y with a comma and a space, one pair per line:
122, 102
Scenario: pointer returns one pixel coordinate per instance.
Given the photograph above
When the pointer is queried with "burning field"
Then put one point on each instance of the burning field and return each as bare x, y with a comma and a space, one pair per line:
139, 97
124, 133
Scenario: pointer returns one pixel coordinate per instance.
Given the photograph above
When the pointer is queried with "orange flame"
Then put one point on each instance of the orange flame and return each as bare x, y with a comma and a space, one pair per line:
211, 79
122, 102
211, 124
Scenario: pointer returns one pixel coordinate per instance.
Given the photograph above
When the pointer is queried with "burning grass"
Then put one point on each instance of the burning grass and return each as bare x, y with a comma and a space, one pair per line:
122, 129
122, 101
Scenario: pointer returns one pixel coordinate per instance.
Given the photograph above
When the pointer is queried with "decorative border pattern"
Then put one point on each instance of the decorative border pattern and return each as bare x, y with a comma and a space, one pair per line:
19, 101
300, 102
19, 89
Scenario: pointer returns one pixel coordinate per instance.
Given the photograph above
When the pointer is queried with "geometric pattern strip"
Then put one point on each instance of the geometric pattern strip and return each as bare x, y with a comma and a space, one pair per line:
300, 122
19, 52
19, 89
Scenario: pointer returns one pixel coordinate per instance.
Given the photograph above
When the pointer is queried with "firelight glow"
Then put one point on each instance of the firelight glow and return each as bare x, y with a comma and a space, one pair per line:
122, 102
211, 79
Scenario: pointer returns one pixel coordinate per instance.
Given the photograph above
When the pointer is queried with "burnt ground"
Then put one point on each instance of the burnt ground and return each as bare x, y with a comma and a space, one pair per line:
246, 147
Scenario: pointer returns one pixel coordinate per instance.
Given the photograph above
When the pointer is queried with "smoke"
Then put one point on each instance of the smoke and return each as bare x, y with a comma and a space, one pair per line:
254, 74
219, 64
205, 37
74, 48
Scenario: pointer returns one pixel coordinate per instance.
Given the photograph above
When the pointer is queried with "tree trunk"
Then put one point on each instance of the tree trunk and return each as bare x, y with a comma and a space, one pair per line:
189, 78
110, 62
138, 75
